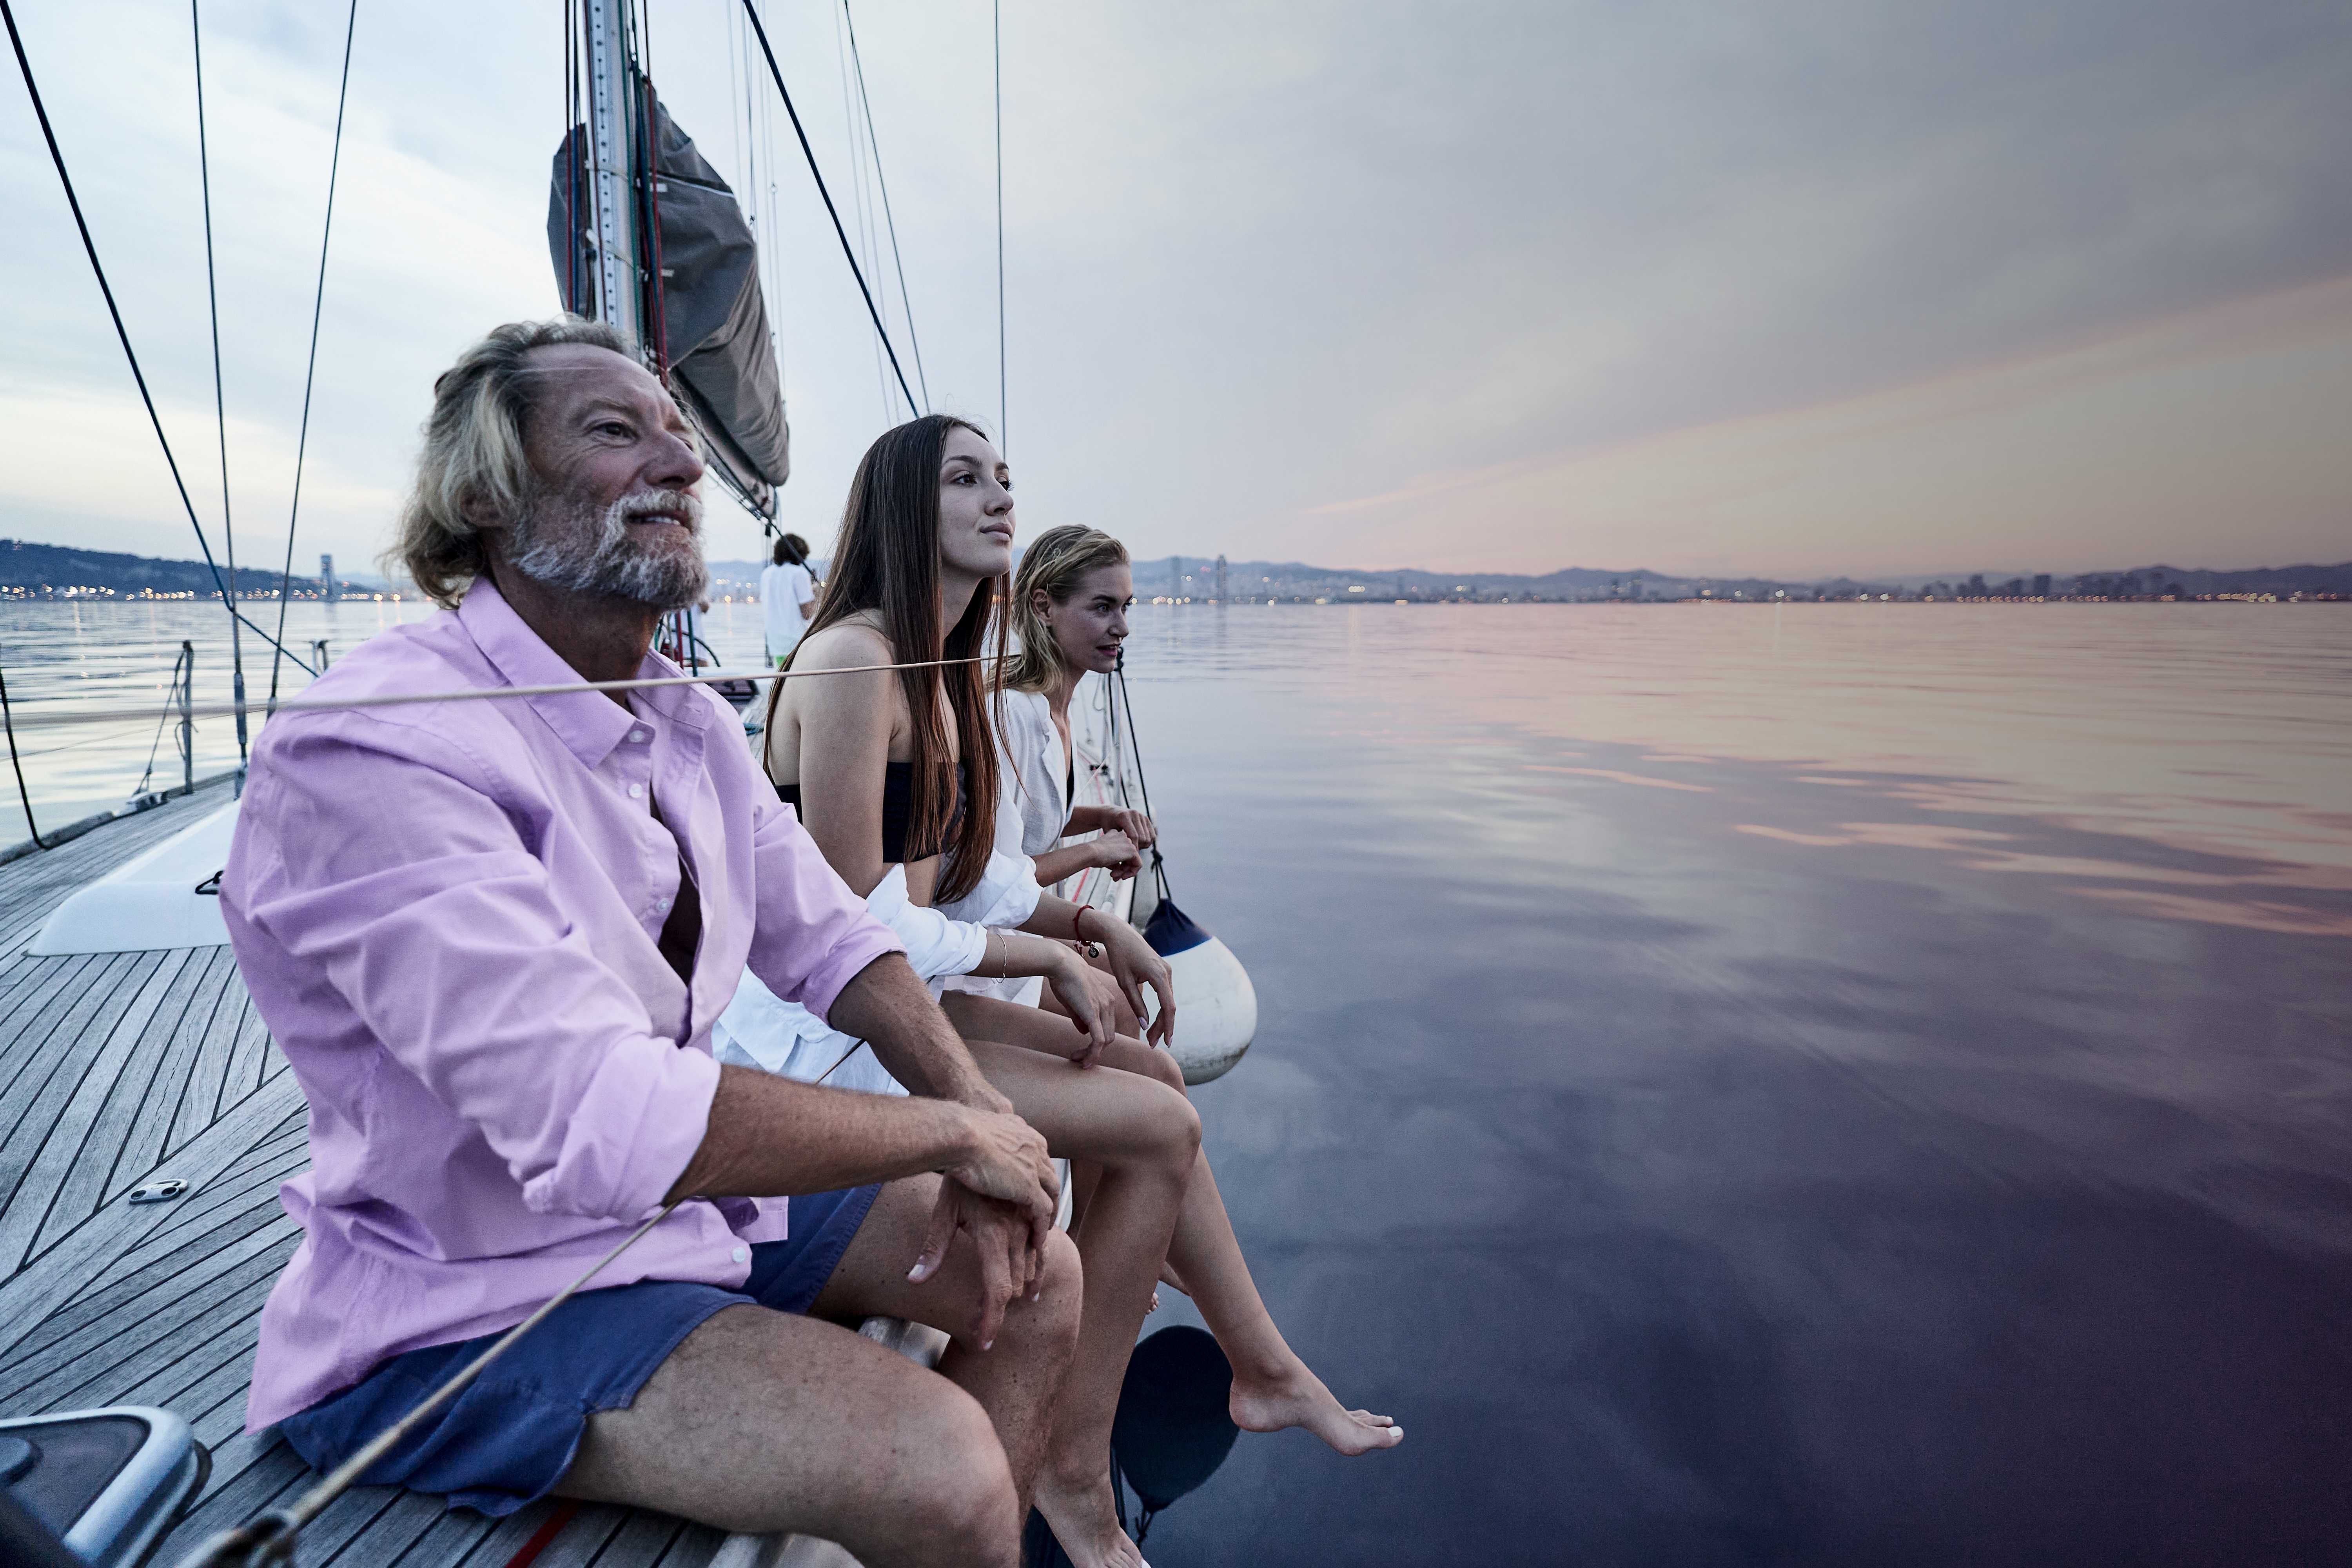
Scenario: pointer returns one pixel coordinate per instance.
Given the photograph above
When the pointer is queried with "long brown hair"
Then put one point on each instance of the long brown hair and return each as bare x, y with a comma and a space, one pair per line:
887, 559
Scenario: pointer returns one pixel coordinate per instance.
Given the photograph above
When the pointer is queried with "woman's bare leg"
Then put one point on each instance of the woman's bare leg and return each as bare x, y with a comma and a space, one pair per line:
1272, 1388
1146, 1141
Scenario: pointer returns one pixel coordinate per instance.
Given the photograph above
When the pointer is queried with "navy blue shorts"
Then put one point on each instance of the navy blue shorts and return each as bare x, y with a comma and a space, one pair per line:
510, 1435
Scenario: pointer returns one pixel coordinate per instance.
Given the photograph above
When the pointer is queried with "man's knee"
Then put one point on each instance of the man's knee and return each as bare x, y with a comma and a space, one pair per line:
964, 1490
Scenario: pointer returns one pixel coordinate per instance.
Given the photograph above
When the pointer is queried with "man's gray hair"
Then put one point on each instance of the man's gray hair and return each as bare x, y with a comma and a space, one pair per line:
473, 465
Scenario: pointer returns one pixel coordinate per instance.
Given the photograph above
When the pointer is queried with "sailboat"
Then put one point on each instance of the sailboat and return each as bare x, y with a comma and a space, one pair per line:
149, 1119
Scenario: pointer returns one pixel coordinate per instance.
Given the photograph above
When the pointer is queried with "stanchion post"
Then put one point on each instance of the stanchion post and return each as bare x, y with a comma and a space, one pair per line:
188, 718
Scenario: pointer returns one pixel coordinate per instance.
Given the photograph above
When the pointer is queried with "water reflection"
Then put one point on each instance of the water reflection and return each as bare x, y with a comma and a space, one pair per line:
1920, 1131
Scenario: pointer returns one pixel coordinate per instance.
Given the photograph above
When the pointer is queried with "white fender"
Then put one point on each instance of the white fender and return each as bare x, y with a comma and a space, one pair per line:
1216, 1010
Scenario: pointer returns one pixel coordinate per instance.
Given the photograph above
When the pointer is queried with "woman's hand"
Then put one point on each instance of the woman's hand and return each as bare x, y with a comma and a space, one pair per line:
1117, 853
1137, 827
1072, 979
1135, 966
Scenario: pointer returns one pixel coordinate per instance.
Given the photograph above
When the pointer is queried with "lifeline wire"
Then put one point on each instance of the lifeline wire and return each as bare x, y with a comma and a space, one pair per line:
310, 375
776, 73
220, 402
905, 307
996, 52
90, 249
273, 1534
471, 694
9, 719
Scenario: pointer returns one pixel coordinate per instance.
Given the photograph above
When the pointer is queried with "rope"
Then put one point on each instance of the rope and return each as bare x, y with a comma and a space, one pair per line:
90, 249
272, 1538
996, 54
906, 306
220, 402
310, 374
775, 73
1159, 863
8, 718
475, 693
186, 656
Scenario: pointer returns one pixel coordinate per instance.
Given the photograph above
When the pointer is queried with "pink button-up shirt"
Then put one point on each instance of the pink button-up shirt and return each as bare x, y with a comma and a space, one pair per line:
447, 914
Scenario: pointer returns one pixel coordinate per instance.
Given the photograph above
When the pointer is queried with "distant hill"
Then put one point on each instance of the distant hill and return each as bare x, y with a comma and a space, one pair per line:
1195, 578
56, 571
30, 570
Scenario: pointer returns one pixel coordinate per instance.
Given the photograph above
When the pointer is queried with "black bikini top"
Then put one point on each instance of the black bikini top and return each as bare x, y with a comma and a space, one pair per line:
897, 801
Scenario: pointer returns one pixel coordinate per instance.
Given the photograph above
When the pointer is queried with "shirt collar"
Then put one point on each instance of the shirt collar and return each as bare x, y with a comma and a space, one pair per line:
589, 723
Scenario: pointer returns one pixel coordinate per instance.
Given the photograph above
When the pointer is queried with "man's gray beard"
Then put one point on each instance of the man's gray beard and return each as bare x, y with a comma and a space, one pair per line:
600, 558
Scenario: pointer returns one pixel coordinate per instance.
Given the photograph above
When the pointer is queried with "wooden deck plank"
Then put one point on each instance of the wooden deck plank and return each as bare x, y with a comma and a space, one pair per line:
202, 1100
172, 1046
94, 1330
403, 1521
33, 1141
24, 1041
248, 1052
124, 1347
89, 1133
150, 1134
59, 1274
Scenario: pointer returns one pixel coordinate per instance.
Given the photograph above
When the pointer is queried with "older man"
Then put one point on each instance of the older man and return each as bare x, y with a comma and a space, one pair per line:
490, 936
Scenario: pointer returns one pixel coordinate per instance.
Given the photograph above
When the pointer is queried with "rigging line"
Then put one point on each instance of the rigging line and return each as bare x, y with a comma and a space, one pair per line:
906, 306
8, 718
220, 401
310, 372
90, 249
274, 1531
776, 74
863, 206
478, 693
997, 56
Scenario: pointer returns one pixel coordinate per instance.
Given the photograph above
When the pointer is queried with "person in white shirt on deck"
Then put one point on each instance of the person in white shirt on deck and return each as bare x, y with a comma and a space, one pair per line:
787, 589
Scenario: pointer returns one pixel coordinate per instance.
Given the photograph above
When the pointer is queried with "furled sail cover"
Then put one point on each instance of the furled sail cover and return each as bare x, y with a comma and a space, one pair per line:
722, 366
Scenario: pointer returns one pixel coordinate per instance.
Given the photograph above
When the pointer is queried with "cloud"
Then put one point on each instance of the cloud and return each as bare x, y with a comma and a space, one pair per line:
1263, 261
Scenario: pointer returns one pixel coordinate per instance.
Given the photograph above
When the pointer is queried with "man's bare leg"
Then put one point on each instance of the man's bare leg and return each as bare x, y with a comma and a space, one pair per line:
1272, 1387
1018, 1390
763, 1421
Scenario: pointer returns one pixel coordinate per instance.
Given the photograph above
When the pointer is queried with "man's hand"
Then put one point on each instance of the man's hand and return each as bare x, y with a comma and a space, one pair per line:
1002, 1194
1072, 980
1010, 1251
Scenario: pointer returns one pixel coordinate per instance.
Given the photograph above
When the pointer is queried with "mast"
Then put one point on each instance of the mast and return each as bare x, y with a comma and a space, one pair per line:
614, 170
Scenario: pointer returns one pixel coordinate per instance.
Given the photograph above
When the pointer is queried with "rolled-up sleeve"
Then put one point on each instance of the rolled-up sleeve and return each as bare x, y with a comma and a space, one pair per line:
811, 935
444, 935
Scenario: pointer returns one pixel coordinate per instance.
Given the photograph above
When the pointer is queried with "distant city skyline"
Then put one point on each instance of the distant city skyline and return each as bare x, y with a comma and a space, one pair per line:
1844, 289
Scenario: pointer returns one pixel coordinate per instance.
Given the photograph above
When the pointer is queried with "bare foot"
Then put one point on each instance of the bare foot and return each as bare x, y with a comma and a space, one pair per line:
1085, 1523
1300, 1399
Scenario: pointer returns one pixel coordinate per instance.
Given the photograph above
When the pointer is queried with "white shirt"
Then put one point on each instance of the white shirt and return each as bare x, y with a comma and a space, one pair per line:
785, 592
1033, 801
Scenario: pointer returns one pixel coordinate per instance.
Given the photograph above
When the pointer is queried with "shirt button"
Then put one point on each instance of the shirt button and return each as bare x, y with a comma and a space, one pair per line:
637, 734
636, 792
740, 1255
661, 906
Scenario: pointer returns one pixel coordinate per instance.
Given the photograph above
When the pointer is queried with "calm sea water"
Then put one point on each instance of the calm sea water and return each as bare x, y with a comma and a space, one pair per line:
1839, 1083
1862, 1084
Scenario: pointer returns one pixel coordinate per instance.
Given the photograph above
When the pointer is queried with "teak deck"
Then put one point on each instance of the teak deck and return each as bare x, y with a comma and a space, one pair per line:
116, 1069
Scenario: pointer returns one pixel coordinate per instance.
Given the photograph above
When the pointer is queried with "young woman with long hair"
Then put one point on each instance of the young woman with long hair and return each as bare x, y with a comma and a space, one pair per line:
894, 772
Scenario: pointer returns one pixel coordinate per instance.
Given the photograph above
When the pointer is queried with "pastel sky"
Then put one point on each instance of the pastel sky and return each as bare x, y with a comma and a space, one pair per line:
1794, 289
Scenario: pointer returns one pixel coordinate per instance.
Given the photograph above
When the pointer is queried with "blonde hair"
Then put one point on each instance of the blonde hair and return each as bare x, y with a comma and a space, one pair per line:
473, 461
1057, 563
